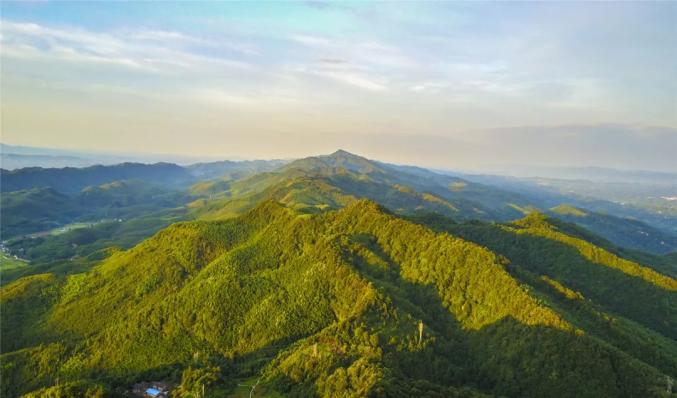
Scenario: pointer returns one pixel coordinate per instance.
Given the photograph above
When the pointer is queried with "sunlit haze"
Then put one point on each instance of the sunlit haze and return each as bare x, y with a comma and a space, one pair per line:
449, 85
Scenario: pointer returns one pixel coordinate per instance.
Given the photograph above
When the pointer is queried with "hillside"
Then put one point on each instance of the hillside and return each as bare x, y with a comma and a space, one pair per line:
33, 210
325, 182
540, 245
628, 233
227, 189
353, 302
71, 180
647, 201
37, 200
231, 170
43, 211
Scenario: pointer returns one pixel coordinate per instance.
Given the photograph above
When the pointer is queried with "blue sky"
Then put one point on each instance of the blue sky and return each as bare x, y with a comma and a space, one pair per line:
444, 84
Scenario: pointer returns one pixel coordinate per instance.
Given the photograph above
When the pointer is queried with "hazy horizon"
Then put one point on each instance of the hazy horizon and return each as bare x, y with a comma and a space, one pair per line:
464, 86
505, 169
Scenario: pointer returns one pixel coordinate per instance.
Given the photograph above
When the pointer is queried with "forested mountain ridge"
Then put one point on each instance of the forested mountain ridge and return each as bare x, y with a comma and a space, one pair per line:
329, 181
71, 180
537, 224
646, 202
542, 246
628, 233
226, 189
352, 302
232, 169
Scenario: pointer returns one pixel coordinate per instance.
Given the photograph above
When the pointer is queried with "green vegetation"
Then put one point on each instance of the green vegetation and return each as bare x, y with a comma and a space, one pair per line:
537, 225
71, 389
566, 210
70, 180
44, 211
84, 241
537, 244
628, 233
7, 262
354, 302
328, 182
78, 249
281, 279
34, 210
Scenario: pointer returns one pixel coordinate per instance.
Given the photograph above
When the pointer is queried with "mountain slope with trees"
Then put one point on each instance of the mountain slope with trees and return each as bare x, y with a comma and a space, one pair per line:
624, 232
324, 182
352, 302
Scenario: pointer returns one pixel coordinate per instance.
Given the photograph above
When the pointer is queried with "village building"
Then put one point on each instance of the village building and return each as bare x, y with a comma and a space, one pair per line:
152, 389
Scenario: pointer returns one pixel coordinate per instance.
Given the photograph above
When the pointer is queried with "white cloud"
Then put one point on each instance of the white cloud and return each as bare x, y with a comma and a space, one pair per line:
142, 50
343, 72
163, 35
430, 87
311, 40
483, 70
354, 79
221, 97
368, 64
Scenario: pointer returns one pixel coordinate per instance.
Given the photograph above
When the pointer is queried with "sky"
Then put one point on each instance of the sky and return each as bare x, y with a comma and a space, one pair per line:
462, 85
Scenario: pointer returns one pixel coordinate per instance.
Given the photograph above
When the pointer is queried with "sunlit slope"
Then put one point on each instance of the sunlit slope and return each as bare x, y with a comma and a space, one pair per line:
540, 245
624, 232
325, 182
339, 295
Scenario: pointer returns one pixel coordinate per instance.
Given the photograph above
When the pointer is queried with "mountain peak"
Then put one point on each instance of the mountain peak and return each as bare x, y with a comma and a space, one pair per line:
341, 152
329, 164
534, 219
568, 210
364, 206
345, 155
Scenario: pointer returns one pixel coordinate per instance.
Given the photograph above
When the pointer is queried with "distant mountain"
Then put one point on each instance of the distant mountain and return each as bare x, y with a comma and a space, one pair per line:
632, 234
37, 200
11, 161
315, 184
353, 302
30, 150
71, 180
596, 174
16, 157
650, 203
232, 170
330, 181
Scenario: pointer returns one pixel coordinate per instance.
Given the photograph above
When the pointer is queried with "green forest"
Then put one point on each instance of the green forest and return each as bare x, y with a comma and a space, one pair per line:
354, 302
331, 277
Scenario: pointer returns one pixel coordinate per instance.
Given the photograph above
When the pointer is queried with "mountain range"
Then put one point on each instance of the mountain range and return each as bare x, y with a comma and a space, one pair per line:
329, 276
